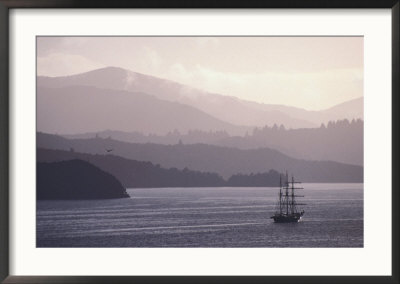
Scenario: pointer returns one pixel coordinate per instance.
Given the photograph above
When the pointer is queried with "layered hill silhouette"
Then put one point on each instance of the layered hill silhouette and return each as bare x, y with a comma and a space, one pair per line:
221, 107
137, 174
145, 174
76, 179
340, 141
75, 109
224, 161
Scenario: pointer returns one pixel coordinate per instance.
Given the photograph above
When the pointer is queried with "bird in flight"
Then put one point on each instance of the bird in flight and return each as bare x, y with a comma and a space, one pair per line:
109, 150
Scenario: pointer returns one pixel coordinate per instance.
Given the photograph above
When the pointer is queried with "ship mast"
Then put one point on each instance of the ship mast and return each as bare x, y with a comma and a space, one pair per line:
292, 205
287, 195
293, 201
280, 194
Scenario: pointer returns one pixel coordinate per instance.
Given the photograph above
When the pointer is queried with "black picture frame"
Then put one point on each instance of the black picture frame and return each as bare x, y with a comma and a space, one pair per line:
7, 5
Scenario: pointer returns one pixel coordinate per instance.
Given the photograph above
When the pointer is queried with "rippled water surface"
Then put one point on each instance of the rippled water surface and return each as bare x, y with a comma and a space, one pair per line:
204, 217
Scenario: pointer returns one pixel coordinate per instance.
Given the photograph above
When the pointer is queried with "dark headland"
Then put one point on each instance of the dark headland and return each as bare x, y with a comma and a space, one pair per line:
74, 180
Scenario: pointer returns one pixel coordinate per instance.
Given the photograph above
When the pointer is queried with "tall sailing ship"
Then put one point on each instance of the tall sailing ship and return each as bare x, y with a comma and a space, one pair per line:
287, 211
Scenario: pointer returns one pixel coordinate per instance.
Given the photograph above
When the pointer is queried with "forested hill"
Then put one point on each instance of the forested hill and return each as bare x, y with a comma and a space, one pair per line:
76, 179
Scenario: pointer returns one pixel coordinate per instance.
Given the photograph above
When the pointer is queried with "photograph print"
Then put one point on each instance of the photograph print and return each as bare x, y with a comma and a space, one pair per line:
199, 141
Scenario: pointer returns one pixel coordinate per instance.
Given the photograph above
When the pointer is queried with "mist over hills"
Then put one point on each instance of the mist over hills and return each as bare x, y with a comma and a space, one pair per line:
224, 161
222, 107
75, 109
185, 129
340, 141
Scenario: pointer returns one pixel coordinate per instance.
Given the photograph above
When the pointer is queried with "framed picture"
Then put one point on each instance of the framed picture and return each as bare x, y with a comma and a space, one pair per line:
145, 144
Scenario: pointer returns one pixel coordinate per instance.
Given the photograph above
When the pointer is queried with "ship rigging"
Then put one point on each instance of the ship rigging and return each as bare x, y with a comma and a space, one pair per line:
287, 211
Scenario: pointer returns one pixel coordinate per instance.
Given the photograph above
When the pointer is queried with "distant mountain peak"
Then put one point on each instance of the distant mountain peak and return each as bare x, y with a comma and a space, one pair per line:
353, 102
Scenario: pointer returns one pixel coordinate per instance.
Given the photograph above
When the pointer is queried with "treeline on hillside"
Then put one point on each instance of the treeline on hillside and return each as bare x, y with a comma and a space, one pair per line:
210, 137
137, 174
270, 178
171, 137
339, 124
340, 141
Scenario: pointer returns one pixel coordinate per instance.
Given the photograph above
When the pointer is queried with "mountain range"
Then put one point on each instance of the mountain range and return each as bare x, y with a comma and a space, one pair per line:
238, 114
141, 118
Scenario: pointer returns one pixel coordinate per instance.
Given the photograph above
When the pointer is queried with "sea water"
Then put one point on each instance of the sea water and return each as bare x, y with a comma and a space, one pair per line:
204, 217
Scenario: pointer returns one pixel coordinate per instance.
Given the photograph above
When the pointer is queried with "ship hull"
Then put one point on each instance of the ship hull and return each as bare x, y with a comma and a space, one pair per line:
287, 218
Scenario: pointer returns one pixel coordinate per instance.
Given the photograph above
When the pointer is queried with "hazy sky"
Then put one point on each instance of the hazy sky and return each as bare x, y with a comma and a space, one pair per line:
308, 72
